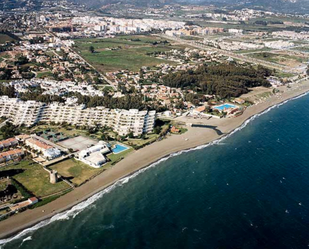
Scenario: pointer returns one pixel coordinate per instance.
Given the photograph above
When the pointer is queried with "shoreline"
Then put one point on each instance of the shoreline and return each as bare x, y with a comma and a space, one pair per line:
144, 158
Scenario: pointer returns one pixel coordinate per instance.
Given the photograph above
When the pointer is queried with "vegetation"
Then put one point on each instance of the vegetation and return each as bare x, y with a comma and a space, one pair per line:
35, 179
122, 52
222, 80
8, 130
24, 192
5, 38
75, 171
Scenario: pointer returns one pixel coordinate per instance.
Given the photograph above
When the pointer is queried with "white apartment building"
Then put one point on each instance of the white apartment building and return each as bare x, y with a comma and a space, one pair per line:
121, 121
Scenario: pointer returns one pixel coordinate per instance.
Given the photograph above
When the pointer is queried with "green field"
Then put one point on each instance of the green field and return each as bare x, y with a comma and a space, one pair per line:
47, 74
128, 52
78, 171
35, 179
150, 138
5, 38
283, 59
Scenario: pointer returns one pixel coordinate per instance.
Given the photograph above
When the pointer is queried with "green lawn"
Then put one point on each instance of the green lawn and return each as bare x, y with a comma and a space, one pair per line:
35, 179
70, 132
150, 138
47, 74
78, 171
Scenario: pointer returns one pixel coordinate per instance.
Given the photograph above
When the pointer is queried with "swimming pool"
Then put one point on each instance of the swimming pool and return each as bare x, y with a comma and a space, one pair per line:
119, 148
224, 106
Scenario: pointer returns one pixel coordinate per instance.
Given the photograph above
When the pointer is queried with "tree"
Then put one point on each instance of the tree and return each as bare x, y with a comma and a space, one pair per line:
91, 49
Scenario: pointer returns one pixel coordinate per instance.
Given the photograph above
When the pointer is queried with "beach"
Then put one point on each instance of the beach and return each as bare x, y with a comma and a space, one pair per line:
142, 158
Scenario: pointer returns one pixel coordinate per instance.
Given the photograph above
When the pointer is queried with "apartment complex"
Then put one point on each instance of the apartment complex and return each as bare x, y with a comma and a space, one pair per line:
121, 121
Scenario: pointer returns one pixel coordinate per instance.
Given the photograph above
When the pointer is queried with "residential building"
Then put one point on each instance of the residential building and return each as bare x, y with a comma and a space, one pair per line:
47, 150
8, 143
11, 154
121, 121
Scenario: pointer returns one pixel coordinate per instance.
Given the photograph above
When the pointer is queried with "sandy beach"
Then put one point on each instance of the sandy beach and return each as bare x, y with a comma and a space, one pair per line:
144, 157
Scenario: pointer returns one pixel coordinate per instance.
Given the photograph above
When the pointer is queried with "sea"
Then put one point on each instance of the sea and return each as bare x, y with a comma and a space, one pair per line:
249, 190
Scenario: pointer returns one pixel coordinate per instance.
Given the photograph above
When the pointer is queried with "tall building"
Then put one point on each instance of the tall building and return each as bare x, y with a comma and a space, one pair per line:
121, 121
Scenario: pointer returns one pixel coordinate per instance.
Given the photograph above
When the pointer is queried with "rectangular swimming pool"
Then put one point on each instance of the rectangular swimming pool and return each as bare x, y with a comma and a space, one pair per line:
119, 148
224, 106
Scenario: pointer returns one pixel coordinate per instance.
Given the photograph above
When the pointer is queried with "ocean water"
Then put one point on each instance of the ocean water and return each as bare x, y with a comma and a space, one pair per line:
250, 190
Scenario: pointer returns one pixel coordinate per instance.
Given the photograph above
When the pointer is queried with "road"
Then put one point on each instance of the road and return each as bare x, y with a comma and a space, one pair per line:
112, 84
241, 57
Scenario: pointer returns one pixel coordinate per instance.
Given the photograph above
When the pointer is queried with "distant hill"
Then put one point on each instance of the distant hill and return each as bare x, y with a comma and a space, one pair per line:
99, 3
289, 6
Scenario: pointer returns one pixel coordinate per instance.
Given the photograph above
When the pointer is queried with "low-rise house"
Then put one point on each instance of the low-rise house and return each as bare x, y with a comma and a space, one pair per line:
8, 143
47, 150
174, 130
10, 155
94, 156
24, 204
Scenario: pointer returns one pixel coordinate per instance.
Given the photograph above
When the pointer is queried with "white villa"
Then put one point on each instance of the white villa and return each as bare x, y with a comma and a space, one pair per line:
94, 156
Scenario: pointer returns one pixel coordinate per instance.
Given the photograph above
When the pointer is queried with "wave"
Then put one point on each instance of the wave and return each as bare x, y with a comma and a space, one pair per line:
75, 210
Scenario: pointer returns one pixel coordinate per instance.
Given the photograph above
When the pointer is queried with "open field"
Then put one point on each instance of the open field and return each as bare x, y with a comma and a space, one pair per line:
283, 59
35, 179
150, 138
257, 93
47, 74
123, 52
5, 38
76, 171
252, 51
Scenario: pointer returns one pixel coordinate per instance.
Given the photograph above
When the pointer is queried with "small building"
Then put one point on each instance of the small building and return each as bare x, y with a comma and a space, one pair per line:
174, 130
24, 204
94, 156
53, 175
